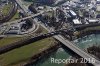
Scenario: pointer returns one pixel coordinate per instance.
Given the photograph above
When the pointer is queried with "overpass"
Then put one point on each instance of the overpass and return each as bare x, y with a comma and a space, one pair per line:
19, 2
77, 50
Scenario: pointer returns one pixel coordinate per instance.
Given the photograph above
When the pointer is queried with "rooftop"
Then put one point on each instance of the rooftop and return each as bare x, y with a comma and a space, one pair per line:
76, 21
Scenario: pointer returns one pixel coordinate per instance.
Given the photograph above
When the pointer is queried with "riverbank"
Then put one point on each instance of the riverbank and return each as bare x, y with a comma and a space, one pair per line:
19, 56
94, 50
43, 54
87, 31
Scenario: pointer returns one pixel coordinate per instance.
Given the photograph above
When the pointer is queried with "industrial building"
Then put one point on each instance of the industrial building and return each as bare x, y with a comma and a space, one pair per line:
77, 22
98, 2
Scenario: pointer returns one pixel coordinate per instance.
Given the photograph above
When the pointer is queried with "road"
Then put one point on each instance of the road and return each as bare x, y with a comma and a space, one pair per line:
22, 6
17, 21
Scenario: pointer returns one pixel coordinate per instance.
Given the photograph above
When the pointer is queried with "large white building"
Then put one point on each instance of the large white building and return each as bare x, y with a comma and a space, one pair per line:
98, 1
77, 22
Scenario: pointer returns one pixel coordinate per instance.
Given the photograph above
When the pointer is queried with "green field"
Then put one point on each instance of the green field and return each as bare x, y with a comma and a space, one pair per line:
6, 41
6, 9
23, 54
98, 12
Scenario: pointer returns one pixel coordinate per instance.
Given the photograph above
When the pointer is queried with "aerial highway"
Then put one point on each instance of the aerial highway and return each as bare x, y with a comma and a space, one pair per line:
23, 7
64, 41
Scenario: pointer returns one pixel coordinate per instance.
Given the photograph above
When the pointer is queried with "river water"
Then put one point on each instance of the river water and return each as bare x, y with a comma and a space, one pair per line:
62, 54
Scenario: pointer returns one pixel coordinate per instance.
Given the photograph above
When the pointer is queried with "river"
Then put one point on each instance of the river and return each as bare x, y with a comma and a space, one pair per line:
83, 43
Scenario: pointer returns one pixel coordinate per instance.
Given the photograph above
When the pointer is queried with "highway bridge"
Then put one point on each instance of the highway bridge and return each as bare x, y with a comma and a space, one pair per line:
72, 46
77, 50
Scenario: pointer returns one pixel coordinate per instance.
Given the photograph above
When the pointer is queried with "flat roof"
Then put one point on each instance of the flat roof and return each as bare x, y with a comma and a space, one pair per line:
76, 21
98, 0
72, 12
93, 20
